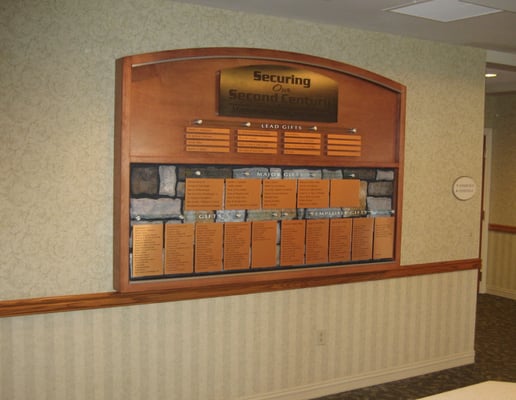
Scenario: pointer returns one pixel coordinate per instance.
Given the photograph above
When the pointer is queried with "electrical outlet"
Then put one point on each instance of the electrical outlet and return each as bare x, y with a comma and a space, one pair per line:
321, 337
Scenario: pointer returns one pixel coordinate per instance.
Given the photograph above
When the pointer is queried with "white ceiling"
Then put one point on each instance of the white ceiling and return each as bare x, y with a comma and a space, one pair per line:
495, 32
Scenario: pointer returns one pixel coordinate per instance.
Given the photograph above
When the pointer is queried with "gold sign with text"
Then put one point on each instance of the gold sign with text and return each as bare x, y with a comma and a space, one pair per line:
278, 92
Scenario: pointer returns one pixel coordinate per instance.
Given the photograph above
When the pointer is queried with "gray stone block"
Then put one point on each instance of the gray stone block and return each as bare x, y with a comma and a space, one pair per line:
302, 174
174, 221
332, 174
167, 180
354, 212
199, 216
367, 174
379, 203
204, 172
251, 173
155, 208
323, 213
270, 215
275, 173
180, 189
384, 175
363, 194
144, 180
380, 189
230, 216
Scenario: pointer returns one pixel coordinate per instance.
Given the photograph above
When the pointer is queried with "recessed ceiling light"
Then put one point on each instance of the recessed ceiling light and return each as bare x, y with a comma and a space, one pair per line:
490, 75
444, 10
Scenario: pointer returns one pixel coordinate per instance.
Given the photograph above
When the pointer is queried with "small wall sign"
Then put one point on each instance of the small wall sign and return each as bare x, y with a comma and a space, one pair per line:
464, 188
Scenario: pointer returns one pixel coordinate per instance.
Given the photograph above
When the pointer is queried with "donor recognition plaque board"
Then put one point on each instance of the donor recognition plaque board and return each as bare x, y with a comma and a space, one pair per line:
238, 168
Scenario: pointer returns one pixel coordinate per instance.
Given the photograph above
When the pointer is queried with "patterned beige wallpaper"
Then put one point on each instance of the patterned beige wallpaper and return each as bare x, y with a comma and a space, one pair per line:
501, 117
56, 124
253, 347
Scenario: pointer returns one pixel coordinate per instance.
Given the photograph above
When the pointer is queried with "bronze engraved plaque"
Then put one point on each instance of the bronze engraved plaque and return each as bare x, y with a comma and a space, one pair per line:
279, 92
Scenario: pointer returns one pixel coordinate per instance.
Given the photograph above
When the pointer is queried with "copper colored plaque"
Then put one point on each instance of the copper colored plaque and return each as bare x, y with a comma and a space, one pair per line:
147, 250
272, 135
206, 139
179, 248
301, 152
258, 142
344, 145
237, 245
340, 239
383, 238
264, 244
313, 193
303, 136
204, 194
259, 150
292, 251
362, 242
317, 241
279, 193
302, 143
242, 194
207, 143
208, 247
207, 149
208, 130
204, 136
345, 193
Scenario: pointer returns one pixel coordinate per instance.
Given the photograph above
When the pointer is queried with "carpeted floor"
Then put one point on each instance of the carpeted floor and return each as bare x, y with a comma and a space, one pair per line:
495, 359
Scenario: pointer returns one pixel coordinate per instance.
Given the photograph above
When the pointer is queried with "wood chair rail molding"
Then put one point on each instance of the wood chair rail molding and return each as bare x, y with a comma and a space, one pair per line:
502, 228
43, 305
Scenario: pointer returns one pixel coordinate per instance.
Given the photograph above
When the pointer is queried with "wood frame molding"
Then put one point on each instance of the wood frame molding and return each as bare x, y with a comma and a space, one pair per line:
43, 305
502, 228
140, 140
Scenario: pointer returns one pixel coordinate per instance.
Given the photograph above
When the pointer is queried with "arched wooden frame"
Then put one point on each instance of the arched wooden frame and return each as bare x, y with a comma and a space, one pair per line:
159, 94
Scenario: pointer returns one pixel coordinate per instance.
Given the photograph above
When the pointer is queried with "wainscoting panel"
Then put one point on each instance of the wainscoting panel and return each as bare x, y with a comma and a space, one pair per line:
293, 344
501, 272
